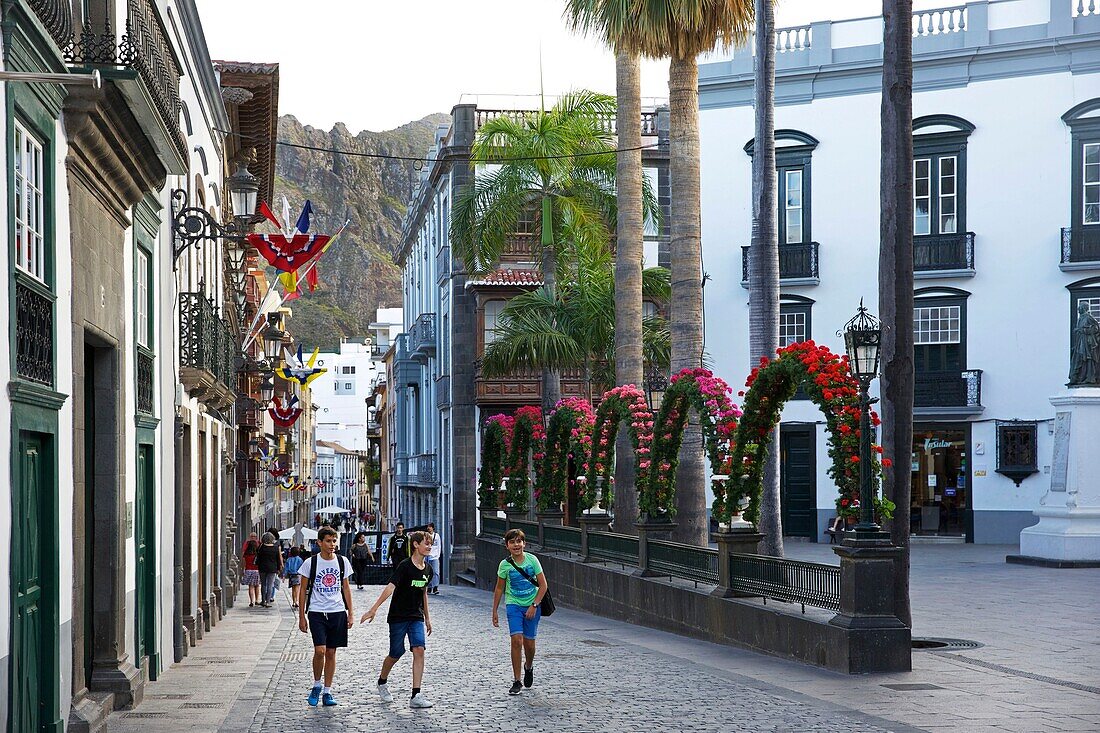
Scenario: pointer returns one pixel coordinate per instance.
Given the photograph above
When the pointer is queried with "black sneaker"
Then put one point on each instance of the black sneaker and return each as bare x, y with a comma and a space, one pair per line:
528, 676
516, 688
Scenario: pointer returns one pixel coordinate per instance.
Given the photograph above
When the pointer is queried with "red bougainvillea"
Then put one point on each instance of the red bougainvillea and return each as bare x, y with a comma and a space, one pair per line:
496, 443
569, 437
528, 438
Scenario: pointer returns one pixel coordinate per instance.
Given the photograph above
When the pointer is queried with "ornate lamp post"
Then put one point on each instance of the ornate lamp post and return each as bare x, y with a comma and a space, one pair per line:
192, 224
862, 339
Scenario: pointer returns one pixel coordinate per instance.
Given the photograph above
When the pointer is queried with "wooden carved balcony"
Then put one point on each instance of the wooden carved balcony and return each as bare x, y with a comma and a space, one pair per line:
524, 387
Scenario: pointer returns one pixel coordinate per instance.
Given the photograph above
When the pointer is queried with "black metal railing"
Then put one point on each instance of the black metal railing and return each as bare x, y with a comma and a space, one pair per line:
481, 116
426, 469
796, 262
443, 263
948, 388
683, 561
494, 526
422, 334
57, 18
808, 583
621, 548
144, 382
205, 340
557, 537
142, 45
531, 529
943, 252
34, 334
1081, 244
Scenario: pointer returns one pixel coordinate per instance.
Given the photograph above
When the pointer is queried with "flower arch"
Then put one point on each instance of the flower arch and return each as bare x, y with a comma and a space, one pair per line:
528, 438
708, 395
620, 404
496, 444
568, 435
829, 384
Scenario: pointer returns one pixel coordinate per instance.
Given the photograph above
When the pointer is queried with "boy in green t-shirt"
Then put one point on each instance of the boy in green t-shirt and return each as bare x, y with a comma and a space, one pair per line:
523, 584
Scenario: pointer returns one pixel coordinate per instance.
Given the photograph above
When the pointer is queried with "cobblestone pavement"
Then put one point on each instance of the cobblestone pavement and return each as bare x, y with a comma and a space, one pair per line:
1038, 668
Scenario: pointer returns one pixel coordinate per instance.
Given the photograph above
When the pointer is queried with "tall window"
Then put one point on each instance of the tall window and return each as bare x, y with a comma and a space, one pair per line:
141, 298
795, 326
793, 152
1090, 183
939, 174
492, 318
30, 205
792, 205
939, 333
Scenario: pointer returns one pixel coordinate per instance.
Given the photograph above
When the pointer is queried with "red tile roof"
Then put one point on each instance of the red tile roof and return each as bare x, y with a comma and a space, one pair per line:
510, 277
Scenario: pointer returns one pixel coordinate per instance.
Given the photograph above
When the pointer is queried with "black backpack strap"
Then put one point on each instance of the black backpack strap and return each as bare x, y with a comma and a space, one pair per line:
340, 561
312, 580
522, 572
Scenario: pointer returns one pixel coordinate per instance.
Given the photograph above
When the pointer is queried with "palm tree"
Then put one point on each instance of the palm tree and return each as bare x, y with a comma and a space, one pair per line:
895, 277
764, 258
607, 19
556, 164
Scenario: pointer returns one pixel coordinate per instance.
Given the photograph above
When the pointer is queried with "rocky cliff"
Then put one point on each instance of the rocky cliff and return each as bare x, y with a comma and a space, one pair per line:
357, 274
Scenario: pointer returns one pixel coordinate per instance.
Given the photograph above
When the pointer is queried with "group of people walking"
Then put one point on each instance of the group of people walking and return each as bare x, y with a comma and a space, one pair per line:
325, 608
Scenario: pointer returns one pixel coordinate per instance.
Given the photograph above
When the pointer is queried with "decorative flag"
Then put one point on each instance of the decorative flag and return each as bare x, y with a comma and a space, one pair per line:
268, 214
278, 472
284, 417
297, 370
303, 219
288, 253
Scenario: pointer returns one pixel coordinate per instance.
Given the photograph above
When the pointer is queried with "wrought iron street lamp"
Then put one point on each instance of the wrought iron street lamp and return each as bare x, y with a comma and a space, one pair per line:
655, 385
273, 337
193, 224
862, 341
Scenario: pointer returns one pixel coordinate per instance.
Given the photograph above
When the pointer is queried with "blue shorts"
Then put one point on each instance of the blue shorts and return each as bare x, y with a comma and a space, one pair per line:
399, 630
518, 623
329, 630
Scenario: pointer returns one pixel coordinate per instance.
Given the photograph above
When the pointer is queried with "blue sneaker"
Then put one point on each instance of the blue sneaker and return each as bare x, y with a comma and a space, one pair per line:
315, 696
328, 700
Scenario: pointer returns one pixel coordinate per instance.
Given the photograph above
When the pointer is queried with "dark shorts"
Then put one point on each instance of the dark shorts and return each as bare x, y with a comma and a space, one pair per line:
329, 630
414, 630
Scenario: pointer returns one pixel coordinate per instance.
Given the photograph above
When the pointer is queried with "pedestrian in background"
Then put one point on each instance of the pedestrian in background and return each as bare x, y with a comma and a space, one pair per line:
408, 616
361, 556
523, 584
290, 572
269, 561
399, 545
433, 558
251, 572
324, 610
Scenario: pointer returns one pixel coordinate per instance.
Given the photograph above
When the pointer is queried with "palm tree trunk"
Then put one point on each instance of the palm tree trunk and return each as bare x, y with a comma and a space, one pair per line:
628, 271
686, 268
551, 378
895, 278
764, 258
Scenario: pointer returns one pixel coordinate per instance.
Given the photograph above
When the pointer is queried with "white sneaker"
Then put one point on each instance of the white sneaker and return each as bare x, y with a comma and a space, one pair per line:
384, 693
419, 701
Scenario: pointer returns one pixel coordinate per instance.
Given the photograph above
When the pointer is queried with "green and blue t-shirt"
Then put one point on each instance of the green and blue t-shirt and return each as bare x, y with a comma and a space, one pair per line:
518, 590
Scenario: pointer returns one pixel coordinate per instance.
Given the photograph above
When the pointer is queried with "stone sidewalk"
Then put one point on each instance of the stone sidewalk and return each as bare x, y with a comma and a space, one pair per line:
1038, 668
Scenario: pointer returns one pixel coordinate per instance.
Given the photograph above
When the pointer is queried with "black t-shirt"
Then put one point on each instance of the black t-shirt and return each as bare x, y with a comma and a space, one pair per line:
399, 548
407, 603
267, 559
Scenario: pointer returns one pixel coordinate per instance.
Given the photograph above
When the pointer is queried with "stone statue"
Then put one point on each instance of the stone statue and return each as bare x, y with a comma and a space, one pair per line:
1084, 354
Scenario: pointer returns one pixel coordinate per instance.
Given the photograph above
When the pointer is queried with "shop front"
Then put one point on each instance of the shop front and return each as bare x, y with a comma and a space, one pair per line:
941, 499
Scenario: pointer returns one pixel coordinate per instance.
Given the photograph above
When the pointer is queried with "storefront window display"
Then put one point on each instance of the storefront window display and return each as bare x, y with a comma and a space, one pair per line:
941, 482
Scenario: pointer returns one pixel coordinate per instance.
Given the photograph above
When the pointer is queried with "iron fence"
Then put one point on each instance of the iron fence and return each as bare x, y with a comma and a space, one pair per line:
683, 561
33, 335
557, 537
796, 581
620, 548
494, 526
144, 383
57, 18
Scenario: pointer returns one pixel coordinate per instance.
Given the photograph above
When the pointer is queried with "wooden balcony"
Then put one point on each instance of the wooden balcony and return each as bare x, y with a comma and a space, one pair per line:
524, 387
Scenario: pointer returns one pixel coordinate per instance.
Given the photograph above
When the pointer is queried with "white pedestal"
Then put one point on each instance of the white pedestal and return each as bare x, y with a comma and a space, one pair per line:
1069, 513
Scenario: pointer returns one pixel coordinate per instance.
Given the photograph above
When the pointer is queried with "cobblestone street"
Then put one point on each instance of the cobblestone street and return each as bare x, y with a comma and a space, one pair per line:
252, 673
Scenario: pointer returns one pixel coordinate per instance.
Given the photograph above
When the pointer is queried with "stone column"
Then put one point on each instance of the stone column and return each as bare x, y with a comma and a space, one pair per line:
879, 641
512, 515
591, 523
649, 530
552, 518
739, 540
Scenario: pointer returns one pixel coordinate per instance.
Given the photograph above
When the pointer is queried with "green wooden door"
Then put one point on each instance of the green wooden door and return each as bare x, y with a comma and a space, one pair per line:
145, 565
31, 659
798, 481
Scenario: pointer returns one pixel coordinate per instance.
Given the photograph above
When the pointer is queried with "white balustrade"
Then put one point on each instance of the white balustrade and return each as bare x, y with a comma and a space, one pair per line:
942, 21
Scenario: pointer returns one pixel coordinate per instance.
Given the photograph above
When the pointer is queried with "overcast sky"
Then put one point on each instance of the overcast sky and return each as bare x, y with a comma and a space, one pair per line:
375, 64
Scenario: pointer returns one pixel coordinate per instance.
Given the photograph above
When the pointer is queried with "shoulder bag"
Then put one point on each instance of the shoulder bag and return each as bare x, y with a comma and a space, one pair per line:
547, 603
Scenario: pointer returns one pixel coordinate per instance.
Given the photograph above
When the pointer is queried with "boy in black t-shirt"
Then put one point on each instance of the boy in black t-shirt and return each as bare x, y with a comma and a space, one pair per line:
399, 546
408, 615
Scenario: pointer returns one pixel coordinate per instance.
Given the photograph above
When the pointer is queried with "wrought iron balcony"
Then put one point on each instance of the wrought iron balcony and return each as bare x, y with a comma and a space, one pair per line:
207, 350
481, 116
424, 473
422, 337
443, 263
249, 413
138, 57
798, 264
953, 391
57, 19
443, 391
941, 255
1081, 247
34, 331
145, 380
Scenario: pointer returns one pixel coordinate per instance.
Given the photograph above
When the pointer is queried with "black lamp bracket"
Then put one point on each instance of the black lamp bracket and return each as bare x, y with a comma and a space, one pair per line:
191, 225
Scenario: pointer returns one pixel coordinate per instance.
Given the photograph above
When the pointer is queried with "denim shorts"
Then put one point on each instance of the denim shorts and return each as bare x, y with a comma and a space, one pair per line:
399, 630
518, 623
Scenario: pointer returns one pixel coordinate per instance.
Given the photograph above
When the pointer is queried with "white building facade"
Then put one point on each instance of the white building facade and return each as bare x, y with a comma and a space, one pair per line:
1007, 240
342, 394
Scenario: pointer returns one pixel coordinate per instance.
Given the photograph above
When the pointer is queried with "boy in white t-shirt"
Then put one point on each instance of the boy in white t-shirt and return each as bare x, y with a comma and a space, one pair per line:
324, 609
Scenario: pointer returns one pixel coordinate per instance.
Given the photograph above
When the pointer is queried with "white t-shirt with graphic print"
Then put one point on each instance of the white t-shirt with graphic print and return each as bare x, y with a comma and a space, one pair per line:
327, 587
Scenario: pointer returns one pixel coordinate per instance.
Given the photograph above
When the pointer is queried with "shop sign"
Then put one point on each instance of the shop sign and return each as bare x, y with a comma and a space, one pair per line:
933, 443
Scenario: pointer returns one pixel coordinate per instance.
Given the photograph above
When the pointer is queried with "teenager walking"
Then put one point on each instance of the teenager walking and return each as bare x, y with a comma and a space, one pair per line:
433, 558
408, 616
324, 610
293, 562
361, 556
269, 561
251, 572
523, 584
398, 548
